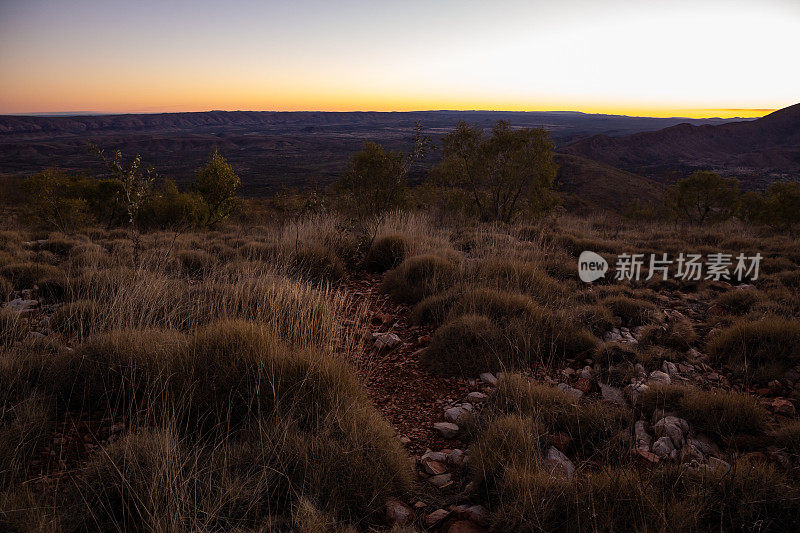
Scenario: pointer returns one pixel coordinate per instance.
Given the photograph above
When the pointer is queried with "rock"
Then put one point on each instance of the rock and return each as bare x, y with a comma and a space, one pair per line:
405, 441
575, 393
435, 518
646, 456
584, 385
558, 463
704, 444
447, 430
19, 305
641, 373
455, 457
488, 378
673, 427
36, 335
398, 512
642, 437
434, 456
478, 514
691, 453
635, 390
664, 448
386, 340
612, 394
476, 397
612, 336
669, 368
455, 413
432, 467
441, 481
782, 406
656, 376
586, 373
716, 462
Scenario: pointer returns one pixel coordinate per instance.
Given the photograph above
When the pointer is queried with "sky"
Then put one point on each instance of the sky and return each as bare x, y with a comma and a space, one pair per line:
646, 57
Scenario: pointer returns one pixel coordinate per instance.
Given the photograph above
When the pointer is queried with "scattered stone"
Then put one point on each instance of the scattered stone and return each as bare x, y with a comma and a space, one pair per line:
669, 368
704, 444
664, 448
642, 437
447, 430
455, 457
436, 517
478, 514
673, 427
691, 453
441, 481
572, 391
454, 414
641, 373
434, 456
488, 378
586, 373
584, 385
398, 512
612, 336
405, 441
612, 394
19, 305
716, 462
386, 340
647, 456
476, 397
784, 407
558, 463
432, 467
635, 390
656, 376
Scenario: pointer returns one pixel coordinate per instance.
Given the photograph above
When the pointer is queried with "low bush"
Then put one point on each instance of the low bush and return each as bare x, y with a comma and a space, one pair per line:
723, 414
633, 311
740, 302
26, 275
420, 276
749, 345
387, 252
467, 345
318, 263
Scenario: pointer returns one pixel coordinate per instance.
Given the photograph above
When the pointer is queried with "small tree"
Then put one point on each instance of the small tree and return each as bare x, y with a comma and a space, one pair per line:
136, 183
54, 198
376, 180
703, 197
505, 173
217, 184
782, 205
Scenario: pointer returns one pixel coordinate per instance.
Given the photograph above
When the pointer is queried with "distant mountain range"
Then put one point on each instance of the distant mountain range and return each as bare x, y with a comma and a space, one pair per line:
757, 151
605, 159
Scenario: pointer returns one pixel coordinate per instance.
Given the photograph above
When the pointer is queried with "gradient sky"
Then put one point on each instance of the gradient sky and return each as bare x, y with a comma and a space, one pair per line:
644, 57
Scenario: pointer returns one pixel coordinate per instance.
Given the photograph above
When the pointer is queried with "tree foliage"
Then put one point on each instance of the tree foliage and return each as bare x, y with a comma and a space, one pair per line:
778, 206
54, 199
505, 173
217, 184
703, 197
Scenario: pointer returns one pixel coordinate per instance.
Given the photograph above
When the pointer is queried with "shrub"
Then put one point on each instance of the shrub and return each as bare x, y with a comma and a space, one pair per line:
294, 423
318, 263
387, 252
518, 276
634, 312
433, 310
597, 318
756, 344
26, 275
703, 196
678, 334
740, 302
465, 346
418, 277
720, 413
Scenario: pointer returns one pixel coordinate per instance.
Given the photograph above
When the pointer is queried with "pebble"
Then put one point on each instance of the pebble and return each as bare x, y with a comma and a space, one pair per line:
398, 512
558, 463
386, 340
476, 397
488, 378
447, 430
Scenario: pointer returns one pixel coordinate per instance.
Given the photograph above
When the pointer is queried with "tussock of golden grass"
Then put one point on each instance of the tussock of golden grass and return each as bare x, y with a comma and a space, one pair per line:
26, 275
634, 312
749, 345
420, 276
12, 328
387, 252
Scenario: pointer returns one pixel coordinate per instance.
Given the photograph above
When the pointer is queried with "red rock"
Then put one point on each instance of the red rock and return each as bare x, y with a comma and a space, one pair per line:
584, 385
436, 517
398, 512
645, 456
784, 407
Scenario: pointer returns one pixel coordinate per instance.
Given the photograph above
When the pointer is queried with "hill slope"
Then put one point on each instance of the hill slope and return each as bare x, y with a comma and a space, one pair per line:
760, 151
